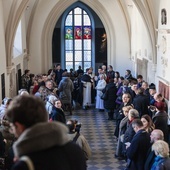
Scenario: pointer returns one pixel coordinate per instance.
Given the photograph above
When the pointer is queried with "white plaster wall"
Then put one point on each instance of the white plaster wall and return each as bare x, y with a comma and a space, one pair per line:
141, 43
35, 58
28, 12
6, 10
163, 50
163, 43
118, 37
155, 5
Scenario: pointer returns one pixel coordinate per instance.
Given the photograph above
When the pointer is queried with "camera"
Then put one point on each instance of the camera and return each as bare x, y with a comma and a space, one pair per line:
73, 126
152, 108
78, 126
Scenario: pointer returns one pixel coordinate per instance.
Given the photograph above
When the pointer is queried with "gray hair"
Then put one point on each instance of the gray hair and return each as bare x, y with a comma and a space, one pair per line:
158, 134
134, 113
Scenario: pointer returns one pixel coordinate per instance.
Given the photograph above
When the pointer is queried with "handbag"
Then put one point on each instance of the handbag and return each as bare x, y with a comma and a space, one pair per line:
104, 95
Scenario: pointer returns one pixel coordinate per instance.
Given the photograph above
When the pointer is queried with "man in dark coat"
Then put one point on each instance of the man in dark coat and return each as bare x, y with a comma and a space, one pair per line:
156, 135
109, 103
25, 79
110, 73
58, 73
79, 71
141, 102
41, 144
137, 151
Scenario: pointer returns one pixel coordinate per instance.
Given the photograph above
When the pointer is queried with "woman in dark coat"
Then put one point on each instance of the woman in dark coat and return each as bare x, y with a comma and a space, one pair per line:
57, 112
126, 101
109, 102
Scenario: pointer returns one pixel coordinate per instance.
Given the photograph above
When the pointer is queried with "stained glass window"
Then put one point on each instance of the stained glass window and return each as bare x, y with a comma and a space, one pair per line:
78, 37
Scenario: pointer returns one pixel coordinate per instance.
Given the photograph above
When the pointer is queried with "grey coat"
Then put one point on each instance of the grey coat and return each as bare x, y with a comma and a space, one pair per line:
65, 88
122, 129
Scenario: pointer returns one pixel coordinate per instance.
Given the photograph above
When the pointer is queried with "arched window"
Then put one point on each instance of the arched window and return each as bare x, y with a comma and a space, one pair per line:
77, 39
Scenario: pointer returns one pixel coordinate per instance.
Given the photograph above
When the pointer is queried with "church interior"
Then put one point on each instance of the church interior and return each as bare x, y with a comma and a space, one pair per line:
137, 34
126, 34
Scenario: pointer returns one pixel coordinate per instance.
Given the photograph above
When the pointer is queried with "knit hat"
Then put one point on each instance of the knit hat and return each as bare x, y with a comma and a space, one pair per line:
152, 86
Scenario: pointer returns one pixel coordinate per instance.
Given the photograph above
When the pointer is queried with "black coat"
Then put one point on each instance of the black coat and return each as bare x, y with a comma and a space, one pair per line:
58, 76
141, 103
58, 115
109, 103
160, 120
2, 145
149, 159
138, 150
57, 157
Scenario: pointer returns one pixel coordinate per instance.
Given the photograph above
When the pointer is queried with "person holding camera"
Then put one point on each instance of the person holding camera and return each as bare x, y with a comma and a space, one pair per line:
79, 139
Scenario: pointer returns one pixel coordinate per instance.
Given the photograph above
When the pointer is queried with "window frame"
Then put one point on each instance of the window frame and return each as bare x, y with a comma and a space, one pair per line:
63, 47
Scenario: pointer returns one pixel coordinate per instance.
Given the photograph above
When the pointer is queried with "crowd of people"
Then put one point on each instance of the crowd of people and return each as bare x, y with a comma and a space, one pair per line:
139, 110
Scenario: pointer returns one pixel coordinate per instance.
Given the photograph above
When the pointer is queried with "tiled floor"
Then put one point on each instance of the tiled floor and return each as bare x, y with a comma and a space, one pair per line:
99, 133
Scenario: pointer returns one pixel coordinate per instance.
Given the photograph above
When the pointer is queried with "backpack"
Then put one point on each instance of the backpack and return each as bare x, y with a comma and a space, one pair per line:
85, 146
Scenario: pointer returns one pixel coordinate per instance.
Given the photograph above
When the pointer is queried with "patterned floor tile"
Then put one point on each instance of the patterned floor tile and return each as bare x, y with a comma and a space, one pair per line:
99, 133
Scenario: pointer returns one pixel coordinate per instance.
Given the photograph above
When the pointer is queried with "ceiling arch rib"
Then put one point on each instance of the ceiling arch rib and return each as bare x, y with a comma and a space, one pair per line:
9, 30
14, 18
127, 18
30, 25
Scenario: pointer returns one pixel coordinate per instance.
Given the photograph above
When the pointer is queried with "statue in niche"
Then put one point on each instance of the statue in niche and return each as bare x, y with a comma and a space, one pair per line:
103, 46
163, 17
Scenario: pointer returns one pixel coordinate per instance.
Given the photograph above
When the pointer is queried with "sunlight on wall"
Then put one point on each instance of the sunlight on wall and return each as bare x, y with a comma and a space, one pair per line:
17, 48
